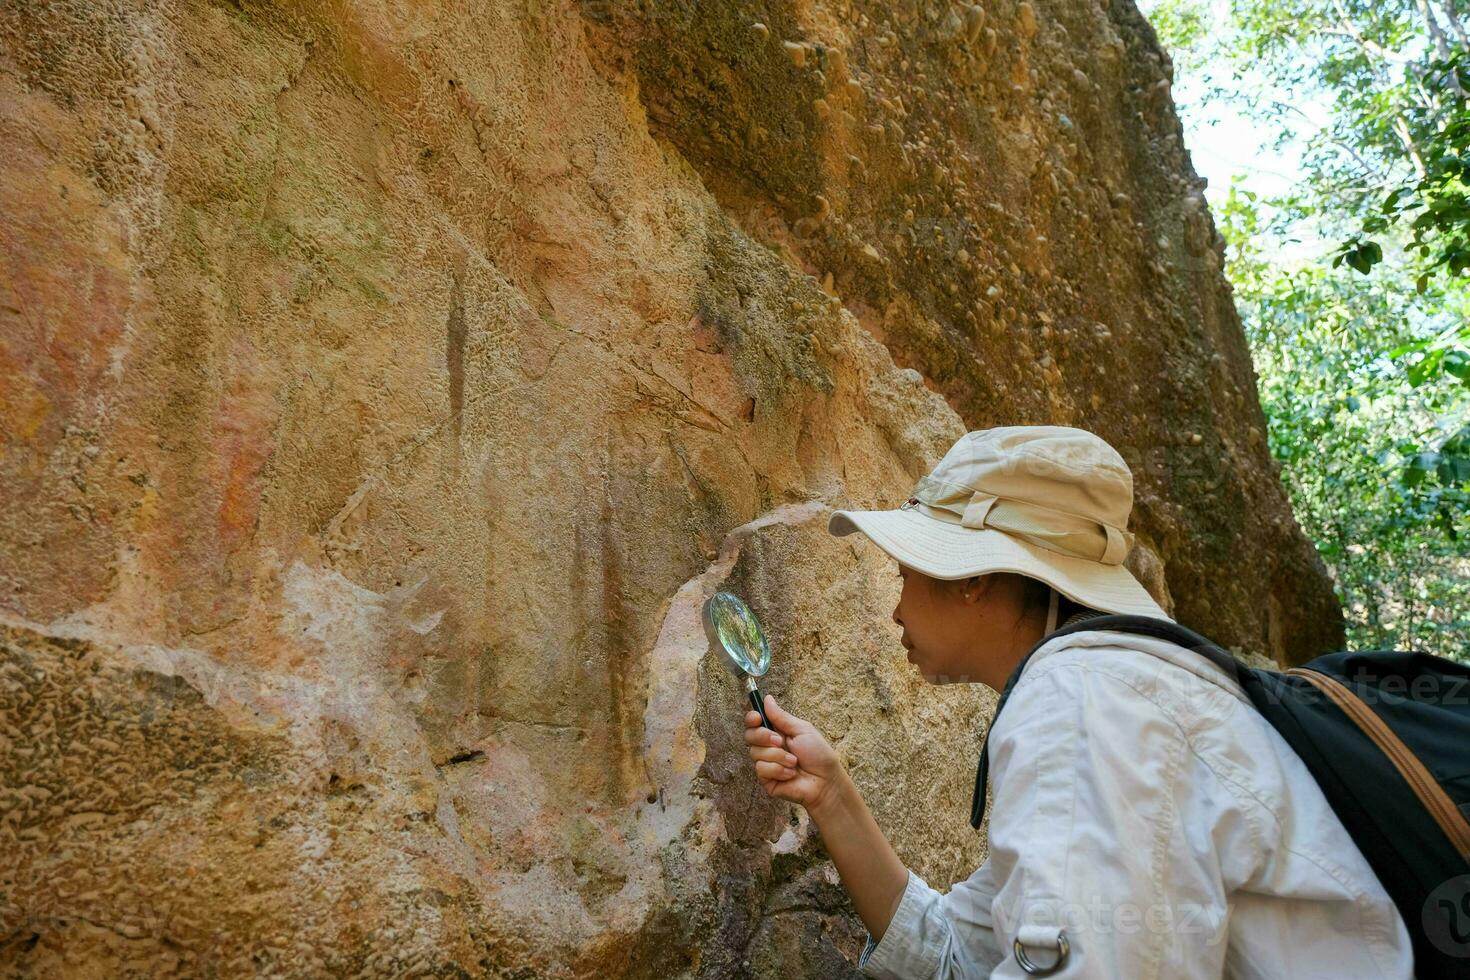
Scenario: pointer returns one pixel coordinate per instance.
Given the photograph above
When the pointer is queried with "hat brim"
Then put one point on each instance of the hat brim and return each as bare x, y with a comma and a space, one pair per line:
952, 551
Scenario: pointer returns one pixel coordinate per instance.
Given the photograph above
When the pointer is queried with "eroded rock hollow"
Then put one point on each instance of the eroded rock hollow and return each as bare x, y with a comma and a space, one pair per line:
383, 386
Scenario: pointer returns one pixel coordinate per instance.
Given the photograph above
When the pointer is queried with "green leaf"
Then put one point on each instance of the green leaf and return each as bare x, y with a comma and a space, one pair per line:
1412, 345
1457, 362
1420, 373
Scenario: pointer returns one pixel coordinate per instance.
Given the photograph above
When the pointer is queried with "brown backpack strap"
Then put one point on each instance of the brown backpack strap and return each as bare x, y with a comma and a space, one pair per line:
1425, 786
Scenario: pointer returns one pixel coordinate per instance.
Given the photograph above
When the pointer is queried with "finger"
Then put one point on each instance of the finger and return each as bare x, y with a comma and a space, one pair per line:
752, 719
769, 770
762, 736
782, 790
784, 720
772, 754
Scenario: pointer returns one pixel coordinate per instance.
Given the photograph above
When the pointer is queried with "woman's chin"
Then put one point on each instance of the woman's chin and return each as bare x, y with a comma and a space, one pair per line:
929, 674
918, 661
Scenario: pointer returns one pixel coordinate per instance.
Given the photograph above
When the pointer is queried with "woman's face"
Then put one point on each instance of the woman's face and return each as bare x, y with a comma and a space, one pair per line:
953, 630
935, 625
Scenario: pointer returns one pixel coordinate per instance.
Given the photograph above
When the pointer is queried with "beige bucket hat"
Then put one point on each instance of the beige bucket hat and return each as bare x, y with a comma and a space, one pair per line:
1048, 501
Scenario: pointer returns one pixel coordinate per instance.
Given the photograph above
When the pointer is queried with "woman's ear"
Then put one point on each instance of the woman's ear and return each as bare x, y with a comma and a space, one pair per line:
974, 587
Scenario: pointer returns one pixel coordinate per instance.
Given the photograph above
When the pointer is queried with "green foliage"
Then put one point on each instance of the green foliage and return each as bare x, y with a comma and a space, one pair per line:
1433, 204
1361, 345
1336, 356
1183, 29
1359, 255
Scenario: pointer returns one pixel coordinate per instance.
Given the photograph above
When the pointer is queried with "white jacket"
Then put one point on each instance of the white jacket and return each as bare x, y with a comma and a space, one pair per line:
1144, 807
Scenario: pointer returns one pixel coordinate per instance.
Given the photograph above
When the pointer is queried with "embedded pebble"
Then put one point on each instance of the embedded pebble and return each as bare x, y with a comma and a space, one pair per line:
1026, 19
974, 21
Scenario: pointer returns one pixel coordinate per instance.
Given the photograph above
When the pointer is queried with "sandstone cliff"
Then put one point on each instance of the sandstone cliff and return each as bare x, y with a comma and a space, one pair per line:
384, 385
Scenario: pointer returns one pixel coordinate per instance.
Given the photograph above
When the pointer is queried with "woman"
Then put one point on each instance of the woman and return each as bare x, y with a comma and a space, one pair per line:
1146, 821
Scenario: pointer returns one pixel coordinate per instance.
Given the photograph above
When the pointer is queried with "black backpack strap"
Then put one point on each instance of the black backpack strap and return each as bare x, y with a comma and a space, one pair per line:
1146, 625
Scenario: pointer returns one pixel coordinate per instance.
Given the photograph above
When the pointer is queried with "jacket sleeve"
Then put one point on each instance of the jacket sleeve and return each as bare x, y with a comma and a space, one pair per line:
1091, 841
933, 934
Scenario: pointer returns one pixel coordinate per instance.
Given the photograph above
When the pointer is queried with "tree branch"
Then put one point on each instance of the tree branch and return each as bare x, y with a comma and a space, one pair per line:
1400, 124
1453, 16
1436, 33
1372, 48
1402, 129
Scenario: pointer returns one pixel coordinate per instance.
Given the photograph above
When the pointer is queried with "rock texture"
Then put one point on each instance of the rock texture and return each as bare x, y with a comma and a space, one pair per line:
383, 386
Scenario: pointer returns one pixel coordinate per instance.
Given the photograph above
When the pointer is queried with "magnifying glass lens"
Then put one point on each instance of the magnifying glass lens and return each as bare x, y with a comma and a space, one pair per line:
740, 633
736, 631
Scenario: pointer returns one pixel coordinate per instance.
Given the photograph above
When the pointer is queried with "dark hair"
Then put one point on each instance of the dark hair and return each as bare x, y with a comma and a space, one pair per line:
1037, 596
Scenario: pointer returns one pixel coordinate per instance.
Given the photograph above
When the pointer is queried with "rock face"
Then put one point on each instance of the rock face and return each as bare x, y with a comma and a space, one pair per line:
383, 387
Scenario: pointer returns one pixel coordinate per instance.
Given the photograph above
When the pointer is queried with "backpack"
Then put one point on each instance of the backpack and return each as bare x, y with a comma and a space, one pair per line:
1386, 735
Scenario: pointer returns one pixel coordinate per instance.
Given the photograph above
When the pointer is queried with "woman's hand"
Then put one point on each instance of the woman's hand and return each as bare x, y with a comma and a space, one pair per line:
795, 762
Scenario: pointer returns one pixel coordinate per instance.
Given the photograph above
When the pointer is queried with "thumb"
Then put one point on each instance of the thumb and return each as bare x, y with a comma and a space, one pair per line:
788, 723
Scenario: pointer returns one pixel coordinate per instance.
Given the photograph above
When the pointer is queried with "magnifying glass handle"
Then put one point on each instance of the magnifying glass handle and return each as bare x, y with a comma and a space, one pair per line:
758, 702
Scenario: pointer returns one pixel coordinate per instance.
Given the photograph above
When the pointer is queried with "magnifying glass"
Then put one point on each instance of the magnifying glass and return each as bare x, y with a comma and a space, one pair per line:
734, 631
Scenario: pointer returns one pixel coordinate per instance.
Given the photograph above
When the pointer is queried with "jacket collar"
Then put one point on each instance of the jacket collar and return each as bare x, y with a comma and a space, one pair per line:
1151, 646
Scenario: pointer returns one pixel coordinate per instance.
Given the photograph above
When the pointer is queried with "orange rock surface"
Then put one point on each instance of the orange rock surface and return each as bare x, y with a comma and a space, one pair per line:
384, 385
